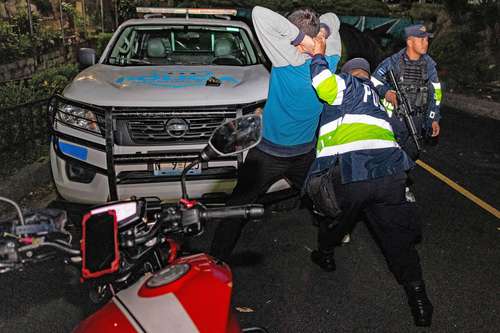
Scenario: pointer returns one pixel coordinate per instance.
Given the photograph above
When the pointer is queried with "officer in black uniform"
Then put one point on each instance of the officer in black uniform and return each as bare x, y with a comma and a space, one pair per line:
360, 168
416, 72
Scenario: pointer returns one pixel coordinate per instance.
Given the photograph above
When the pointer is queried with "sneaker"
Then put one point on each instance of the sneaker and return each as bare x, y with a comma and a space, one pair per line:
324, 260
346, 239
410, 197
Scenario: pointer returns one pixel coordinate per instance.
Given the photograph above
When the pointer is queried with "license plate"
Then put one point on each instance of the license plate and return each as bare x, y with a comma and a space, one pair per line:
174, 168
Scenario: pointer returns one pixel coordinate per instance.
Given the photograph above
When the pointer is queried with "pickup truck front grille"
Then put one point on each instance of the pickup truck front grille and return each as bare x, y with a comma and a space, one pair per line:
162, 127
196, 129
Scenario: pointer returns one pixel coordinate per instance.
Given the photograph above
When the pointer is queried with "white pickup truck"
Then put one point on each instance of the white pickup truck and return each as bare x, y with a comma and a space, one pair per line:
129, 123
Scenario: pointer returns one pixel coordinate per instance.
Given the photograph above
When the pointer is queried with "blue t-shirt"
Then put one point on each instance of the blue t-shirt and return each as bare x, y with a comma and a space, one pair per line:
292, 111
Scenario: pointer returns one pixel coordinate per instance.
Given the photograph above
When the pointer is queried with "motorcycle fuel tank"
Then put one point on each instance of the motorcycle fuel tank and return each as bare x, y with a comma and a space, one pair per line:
191, 295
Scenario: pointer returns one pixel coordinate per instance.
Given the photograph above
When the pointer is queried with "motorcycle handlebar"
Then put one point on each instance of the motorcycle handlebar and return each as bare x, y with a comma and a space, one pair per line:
61, 247
250, 212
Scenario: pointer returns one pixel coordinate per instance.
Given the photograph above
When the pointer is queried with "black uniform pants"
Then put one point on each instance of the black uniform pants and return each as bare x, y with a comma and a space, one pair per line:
393, 220
255, 176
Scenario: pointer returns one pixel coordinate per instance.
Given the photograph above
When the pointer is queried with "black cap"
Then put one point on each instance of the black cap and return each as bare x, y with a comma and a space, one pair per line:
356, 63
417, 30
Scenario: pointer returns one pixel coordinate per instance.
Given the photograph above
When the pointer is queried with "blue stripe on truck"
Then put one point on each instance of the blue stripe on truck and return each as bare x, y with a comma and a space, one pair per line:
75, 151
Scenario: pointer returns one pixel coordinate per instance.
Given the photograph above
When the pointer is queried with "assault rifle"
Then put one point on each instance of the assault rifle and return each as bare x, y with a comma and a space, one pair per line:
404, 109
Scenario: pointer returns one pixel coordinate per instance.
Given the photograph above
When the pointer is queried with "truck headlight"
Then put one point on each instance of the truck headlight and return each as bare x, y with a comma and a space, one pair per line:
78, 117
256, 108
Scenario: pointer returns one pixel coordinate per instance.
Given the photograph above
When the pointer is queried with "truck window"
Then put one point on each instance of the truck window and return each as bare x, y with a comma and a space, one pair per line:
182, 45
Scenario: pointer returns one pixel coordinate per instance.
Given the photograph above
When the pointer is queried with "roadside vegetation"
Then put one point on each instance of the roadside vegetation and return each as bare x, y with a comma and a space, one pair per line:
23, 114
41, 86
16, 41
341, 7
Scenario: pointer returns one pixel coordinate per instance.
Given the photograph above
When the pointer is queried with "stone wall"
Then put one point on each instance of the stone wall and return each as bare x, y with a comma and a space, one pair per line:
25, 68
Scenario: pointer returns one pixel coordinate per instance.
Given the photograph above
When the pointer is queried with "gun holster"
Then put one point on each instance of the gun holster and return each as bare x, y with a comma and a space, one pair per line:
320, 190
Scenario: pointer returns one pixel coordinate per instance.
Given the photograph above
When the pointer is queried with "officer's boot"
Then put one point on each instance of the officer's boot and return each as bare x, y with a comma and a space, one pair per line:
324, 256
325, 260
420, 305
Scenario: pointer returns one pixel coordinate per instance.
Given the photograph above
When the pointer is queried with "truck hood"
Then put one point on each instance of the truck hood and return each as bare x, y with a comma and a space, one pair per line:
167, 86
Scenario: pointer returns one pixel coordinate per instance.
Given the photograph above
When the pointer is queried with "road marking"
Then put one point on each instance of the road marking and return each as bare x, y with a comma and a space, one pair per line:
460, 189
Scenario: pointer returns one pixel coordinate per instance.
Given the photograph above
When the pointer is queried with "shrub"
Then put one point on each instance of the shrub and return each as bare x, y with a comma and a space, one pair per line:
16, 44
348, 7
8, 42
341, 7
456, 55
21, 22
425, 12
41, 86
101, 40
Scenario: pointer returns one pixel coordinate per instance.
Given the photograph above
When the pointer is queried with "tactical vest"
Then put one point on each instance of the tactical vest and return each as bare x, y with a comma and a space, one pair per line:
413, 80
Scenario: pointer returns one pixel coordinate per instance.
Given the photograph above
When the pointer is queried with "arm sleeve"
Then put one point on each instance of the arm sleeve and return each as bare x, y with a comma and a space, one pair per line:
329, 87
436, 95
278, 37
379, 77
333, 43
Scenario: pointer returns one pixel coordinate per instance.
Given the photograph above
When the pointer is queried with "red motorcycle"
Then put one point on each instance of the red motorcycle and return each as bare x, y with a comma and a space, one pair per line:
128, 255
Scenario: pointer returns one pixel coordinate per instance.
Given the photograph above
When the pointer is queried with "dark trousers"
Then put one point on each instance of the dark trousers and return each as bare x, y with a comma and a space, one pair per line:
255, 176
393, 221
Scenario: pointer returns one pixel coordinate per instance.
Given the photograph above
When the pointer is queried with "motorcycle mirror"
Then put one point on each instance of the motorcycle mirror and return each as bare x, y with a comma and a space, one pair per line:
230, 138
234, 137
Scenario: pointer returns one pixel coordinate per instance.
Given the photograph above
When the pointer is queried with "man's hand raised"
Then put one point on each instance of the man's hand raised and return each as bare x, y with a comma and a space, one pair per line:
323, 32
319, 44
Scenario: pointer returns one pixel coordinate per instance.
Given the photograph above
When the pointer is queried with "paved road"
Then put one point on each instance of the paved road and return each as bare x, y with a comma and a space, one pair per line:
286, 293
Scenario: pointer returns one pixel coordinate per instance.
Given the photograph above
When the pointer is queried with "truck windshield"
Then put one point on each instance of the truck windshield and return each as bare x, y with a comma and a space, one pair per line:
182, 45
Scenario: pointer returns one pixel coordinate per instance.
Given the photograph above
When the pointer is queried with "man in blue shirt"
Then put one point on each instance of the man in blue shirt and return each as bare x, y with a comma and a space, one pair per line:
291, 113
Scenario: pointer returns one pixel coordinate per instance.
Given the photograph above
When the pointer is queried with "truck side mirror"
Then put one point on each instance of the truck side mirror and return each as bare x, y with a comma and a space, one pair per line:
86, 57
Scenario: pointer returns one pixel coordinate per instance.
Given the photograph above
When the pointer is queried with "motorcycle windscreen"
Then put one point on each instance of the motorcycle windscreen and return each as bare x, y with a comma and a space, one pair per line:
99, 244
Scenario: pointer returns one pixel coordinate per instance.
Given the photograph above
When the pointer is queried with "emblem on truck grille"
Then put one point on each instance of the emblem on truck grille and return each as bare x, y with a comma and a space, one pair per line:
177, 128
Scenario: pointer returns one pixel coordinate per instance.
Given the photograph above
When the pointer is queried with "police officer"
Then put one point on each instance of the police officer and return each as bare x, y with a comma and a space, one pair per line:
416, 72
357, 145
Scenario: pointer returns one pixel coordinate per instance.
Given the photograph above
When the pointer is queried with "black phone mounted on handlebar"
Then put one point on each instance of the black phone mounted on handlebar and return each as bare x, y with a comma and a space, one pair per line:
99, 245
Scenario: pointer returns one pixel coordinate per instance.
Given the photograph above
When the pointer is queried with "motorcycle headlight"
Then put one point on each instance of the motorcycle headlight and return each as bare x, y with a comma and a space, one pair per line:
78, 117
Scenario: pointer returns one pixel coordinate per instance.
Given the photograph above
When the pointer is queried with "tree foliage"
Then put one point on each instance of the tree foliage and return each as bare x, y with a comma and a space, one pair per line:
467, 50
457, 9
344, 7
16, 42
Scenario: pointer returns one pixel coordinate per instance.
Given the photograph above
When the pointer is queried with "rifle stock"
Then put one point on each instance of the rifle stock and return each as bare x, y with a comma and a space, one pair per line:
405, 109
